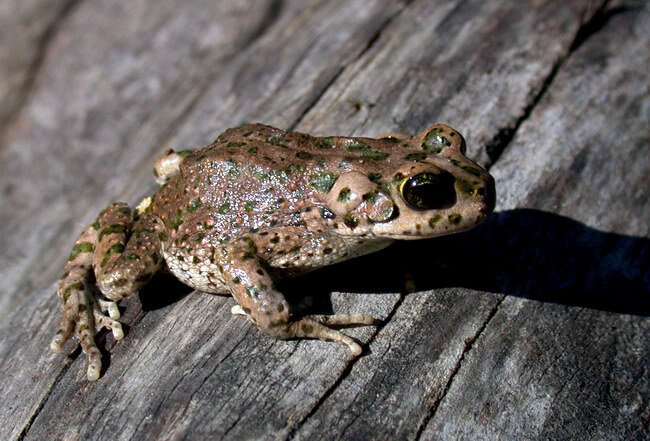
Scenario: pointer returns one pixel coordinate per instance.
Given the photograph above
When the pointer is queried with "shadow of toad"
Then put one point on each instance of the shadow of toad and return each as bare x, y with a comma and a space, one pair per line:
524, 252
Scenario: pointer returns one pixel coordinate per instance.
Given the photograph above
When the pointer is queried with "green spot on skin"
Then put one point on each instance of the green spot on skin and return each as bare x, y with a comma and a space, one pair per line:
95, 225
323, 181
292, 168
176, 221
133, 257
194, 205
365, 150
260, 175
434, 220
236, 280
235, 144
325, 143
357, 146
162, 237
252, 149
74, 287
64, 275
434, 141
370, 197
253, 291
250, 206
455, 218
139, 230
83, 308
223, 208
115, 228
398, 178
234, 171
278, 141
307, 329
390, 139
351, 220
83, 247
378, 179
125, 211
327, 213
304, 155
377, 156
344, 194
200, 236
472, 170
417, 157
114, 249
466, 187
185, 153
252, 248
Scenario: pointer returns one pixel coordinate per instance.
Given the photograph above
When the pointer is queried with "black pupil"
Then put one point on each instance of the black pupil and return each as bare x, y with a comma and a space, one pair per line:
428, 191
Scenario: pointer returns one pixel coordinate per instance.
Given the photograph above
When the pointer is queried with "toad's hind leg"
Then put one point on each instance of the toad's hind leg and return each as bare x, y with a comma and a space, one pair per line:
100, 247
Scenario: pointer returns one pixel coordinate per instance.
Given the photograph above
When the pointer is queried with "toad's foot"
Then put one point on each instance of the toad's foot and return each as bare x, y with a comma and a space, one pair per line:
320, 327
111, 259
84, 316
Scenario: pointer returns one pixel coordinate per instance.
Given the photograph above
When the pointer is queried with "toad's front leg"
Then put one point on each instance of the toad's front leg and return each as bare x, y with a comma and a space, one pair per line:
123, 257
250, 284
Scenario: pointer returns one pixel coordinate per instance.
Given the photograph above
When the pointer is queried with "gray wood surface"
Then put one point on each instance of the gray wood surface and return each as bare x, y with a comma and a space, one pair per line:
532, 327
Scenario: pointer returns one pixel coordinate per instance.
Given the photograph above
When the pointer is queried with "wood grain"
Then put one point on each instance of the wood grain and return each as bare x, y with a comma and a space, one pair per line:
534, 326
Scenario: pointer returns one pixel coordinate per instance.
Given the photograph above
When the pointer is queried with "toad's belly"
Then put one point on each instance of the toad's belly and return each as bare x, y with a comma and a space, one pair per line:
202, 275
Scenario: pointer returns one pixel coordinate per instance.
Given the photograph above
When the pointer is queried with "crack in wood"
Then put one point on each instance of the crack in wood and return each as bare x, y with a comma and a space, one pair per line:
41, 404
495, 147
466, 350
346, 372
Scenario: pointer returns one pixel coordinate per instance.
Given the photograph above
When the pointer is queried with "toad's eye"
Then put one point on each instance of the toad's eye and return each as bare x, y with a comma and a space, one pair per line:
428, 191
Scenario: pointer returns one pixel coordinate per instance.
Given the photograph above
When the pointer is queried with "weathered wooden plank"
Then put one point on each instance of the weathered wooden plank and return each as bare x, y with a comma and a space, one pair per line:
25, 27
558, 372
